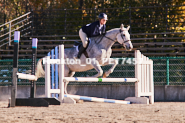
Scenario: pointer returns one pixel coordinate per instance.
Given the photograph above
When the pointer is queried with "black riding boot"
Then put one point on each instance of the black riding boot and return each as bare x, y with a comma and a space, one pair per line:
81, 50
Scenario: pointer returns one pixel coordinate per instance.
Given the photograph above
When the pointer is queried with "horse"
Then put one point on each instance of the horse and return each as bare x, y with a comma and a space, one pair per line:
99, 49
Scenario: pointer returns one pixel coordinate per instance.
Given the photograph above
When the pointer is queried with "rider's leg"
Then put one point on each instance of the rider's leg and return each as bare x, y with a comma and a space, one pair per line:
83, 37
81, 50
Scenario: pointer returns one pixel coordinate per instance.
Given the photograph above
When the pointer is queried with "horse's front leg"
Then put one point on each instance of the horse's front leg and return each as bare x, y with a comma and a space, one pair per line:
110, 61
71, 74
97, 67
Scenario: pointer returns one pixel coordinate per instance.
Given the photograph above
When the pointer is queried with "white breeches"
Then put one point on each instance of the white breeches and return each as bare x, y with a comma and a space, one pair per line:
83, 37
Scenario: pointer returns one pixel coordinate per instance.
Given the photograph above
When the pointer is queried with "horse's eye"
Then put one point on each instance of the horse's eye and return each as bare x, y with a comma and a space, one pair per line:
123, 34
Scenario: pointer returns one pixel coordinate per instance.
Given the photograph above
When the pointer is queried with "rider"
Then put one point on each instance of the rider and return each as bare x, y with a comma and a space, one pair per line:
91, 30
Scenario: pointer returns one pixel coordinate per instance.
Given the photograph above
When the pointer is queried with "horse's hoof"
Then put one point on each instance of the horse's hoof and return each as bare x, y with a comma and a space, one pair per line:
79, 101
104, 76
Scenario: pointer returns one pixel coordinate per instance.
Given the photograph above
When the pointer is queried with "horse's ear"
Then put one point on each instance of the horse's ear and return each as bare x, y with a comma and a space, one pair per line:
122, 26
128, 27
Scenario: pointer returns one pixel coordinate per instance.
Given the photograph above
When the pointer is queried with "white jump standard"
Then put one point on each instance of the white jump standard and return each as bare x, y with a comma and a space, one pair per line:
143, 80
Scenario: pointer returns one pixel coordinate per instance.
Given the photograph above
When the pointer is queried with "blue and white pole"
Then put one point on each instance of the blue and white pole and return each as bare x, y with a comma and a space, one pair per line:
95, 99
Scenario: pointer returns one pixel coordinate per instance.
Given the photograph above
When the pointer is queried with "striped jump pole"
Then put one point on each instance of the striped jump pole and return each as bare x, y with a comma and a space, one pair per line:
95, 99
83, 79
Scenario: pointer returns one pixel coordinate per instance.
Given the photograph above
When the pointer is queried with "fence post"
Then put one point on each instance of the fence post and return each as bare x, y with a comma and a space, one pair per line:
10, 25
95, 14
65, 20
167, 71
32, 19
166, 22
166, 18
130, 19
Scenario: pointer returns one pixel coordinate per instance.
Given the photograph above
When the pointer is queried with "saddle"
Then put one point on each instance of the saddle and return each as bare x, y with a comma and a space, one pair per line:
81, 49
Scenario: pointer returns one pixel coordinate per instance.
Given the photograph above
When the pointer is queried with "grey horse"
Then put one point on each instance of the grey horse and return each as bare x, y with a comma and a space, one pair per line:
98, 51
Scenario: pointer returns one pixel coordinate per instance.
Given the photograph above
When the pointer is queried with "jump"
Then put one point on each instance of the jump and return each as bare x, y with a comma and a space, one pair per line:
99, 48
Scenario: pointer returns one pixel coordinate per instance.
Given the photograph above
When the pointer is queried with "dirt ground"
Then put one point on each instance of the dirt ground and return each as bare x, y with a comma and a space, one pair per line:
91, 112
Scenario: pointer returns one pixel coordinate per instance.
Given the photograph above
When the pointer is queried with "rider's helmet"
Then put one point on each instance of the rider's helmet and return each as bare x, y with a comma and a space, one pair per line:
102, 16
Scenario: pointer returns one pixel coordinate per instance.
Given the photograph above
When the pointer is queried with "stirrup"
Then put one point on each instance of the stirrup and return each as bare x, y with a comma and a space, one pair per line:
75, 57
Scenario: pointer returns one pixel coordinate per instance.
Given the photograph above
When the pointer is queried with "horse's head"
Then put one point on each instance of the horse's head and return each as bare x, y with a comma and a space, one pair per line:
124, 38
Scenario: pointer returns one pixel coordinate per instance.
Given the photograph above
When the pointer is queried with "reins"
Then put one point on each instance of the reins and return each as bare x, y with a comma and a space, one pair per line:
114, 40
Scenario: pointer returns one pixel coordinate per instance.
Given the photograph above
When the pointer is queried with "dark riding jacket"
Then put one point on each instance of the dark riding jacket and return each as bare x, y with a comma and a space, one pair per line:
93, 30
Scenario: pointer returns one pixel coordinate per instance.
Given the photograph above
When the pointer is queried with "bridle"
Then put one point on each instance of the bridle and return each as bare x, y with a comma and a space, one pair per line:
121, 37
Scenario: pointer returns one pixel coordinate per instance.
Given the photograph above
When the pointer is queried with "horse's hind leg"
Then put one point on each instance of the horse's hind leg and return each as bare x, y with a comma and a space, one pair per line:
114, 62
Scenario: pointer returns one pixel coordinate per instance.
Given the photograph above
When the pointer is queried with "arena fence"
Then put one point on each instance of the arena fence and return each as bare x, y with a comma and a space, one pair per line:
167, 71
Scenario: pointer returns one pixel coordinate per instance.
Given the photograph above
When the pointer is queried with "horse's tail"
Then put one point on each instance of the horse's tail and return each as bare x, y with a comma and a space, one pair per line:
39, 70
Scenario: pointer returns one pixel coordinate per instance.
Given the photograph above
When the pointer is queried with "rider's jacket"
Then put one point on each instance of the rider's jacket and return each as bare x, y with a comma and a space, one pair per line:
94, 29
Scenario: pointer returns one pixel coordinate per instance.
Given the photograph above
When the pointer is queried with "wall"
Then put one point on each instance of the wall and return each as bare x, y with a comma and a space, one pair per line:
162, 93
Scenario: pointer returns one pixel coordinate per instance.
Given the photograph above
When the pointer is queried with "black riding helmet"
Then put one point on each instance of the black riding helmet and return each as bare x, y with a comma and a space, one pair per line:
102, 16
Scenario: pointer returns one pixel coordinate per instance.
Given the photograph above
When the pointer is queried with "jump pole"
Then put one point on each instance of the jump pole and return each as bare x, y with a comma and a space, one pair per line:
95, 99
82, 79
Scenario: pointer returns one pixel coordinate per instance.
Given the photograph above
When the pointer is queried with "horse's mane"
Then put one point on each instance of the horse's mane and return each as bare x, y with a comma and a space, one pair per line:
97, 38
100, 36
112, 30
